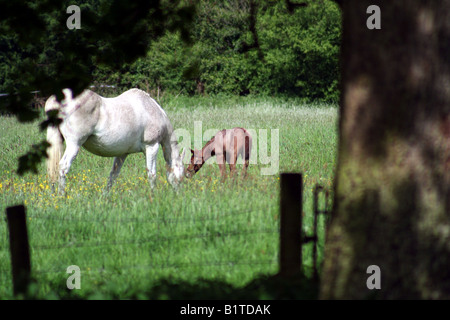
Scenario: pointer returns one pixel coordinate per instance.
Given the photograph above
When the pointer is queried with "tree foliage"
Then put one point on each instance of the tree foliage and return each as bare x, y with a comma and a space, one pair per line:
40, 53
296, 53
144, 44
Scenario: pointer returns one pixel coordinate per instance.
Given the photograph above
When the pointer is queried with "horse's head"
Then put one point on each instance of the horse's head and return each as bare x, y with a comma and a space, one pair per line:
195, 164
177, 171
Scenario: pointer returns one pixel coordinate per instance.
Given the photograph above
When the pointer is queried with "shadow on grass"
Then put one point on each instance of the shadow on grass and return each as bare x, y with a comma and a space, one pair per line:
262, 288
273, 288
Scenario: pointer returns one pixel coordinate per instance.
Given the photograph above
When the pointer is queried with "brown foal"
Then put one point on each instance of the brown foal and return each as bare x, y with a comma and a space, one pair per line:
226, 145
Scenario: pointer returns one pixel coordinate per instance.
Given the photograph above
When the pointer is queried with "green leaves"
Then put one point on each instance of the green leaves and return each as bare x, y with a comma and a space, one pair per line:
45, 55
143, 44
295, 53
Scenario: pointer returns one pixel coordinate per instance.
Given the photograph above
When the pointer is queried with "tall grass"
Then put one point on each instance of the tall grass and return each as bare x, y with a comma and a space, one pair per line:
128, 240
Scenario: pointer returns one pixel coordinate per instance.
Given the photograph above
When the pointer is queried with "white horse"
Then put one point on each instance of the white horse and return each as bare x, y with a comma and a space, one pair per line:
112, 127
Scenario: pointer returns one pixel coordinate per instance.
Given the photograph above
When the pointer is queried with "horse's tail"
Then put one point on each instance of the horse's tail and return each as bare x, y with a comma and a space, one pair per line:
56, 140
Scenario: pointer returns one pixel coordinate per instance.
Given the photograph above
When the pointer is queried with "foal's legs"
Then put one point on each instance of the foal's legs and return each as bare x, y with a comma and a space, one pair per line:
151, 151
66, 161
117, 165
232, 163
244, 168
221, 163
246, 157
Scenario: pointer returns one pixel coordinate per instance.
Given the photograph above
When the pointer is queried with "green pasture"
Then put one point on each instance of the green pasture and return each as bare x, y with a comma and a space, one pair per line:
134, 243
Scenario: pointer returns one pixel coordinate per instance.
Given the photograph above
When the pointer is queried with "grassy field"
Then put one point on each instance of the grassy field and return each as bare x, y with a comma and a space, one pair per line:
207, 239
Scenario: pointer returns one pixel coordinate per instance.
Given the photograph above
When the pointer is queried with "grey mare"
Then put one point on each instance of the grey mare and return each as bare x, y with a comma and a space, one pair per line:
111, 127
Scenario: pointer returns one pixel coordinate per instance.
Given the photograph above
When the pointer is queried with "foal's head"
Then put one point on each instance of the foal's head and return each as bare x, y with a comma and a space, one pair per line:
195, 164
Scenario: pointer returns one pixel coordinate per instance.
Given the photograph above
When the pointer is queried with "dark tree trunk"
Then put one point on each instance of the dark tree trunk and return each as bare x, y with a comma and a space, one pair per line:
392, 195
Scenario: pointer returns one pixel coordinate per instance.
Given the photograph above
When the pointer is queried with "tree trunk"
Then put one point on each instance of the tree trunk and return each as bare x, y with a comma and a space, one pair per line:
392, 195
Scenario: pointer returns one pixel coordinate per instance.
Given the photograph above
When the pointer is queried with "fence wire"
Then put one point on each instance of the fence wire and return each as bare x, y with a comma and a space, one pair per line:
155, 220
120, 269
154, 239
158, 238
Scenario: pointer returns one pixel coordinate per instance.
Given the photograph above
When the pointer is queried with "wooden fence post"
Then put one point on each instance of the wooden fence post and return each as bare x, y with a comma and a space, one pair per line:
291, 224
20, 252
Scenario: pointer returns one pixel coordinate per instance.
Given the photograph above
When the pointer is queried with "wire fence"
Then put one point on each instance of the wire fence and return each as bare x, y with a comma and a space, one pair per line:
231, 231
157, 238
162, 220
152, 266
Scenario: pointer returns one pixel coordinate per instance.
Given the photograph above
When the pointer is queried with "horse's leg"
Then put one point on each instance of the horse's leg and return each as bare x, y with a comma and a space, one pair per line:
234, 153
246, 159
246, 154
66, 161
233, 161
244, 168
232, 169
222, 165
151, 151
117, 165
167, 153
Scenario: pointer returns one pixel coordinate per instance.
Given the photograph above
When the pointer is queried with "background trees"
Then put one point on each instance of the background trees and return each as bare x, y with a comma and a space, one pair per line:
299, 49
40, 53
